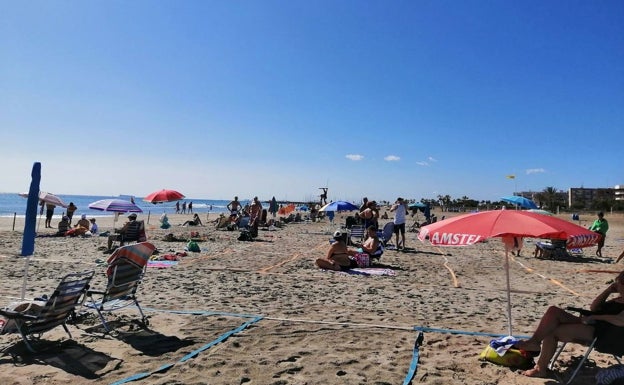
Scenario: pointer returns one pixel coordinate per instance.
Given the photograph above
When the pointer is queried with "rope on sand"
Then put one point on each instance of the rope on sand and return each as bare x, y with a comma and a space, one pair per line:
448, 267
451, 331
192, 354
551, 280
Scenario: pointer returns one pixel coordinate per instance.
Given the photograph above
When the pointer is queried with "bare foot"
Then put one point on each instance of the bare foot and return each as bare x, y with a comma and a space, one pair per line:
536, 372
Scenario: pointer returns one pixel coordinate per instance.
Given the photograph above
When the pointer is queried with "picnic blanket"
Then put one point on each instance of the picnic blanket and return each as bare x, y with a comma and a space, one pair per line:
161, 264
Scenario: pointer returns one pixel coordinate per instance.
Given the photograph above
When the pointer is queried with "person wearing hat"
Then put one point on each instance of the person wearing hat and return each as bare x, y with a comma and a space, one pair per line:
63, 226
83, 222
339, 257
400, 212
121, 234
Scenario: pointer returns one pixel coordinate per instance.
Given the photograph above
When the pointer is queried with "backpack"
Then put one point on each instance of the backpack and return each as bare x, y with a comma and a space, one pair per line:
193, 246
245, 235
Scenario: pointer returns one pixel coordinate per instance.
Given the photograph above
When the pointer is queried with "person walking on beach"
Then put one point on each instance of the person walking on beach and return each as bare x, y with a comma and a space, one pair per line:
190, 207
178, 207
71, 209
400, 210
600, 226
184, 207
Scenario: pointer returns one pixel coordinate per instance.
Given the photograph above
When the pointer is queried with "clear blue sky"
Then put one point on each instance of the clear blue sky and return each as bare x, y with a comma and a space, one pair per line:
277, 98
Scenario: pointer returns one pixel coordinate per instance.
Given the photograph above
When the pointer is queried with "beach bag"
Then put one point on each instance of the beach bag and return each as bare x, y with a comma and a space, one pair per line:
193, 246
245, 235
362, 259
514, 358
24, 307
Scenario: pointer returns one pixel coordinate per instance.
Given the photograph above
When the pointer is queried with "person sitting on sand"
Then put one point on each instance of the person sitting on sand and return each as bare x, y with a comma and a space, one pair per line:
339, 257
164, 221
195, 222
94, 227
558, 325
81, 227
63, 226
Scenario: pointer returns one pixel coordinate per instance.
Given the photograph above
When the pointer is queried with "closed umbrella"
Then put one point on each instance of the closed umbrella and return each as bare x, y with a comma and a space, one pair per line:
468, 229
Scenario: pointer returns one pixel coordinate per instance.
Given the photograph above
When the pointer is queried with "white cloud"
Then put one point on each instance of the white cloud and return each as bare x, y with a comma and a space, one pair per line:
432, 159
392, 158
535, 171
422, 163
354, 157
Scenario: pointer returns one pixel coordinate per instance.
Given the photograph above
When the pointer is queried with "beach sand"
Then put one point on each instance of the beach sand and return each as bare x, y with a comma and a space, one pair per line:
300, 325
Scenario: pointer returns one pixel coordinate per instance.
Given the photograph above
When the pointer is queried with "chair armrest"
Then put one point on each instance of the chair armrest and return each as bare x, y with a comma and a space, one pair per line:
579, 310
17, 315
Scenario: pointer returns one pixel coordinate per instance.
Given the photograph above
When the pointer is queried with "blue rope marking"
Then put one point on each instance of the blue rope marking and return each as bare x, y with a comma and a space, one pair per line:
414, 365
194, 353
450, 331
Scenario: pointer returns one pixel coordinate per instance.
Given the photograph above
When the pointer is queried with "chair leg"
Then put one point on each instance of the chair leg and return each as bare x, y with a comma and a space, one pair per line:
580, 364
143, 317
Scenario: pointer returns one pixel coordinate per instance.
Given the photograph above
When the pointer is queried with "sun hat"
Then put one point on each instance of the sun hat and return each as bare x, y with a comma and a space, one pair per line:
65, 218
337, 234
83, 216
133, 215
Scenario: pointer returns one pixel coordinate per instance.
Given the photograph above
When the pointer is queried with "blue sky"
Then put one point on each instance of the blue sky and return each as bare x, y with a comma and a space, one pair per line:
278, 98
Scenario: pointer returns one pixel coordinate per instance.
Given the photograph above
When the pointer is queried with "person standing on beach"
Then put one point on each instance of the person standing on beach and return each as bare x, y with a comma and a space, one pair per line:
49, 214
190, 207
234, 207
600, 226
71, 209
400, 209
255, 211
184, 207
178, 207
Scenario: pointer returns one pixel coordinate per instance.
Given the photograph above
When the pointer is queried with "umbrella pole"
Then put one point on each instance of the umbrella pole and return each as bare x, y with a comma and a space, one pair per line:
508, 291
25, 277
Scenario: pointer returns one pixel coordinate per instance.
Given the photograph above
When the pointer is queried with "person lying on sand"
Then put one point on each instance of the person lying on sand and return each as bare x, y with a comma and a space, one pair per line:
558, 325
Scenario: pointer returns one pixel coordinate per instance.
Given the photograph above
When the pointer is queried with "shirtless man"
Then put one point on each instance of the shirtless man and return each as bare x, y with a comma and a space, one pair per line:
234, 207
255, 212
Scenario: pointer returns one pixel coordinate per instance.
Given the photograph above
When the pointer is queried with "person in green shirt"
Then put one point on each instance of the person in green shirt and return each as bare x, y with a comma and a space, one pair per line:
600, 226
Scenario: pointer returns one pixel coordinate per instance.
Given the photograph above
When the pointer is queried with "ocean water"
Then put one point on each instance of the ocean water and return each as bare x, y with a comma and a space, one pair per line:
12, 204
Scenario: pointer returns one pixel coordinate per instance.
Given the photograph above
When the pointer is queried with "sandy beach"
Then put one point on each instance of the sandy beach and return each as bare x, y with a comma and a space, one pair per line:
280, 320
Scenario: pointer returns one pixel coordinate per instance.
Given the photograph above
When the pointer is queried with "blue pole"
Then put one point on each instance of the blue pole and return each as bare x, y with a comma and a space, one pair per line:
28, 240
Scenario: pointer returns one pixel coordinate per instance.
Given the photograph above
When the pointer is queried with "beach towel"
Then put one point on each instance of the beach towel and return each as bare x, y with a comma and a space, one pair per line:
367, 271
503, 344
161, 264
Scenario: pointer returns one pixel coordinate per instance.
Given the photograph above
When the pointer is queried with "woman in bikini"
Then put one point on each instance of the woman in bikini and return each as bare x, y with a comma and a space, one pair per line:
339, 257
558, 325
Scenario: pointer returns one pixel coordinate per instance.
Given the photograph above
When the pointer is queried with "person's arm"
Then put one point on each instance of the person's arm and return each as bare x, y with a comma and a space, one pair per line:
614, 319
602, 297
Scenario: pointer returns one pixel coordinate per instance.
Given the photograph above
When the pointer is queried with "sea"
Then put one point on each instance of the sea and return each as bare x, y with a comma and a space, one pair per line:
12, 204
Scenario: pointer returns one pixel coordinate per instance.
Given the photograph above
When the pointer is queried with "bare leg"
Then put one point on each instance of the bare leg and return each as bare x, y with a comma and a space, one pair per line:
551, 320
327, 265
571, 332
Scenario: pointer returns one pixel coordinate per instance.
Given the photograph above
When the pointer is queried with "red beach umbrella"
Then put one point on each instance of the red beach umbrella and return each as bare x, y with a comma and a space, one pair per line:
468, 229
163, 196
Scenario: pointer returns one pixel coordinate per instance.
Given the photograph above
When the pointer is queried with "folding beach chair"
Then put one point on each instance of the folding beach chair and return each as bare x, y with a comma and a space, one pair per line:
386, 234
356, 234
126, 268
30, 324
611, 344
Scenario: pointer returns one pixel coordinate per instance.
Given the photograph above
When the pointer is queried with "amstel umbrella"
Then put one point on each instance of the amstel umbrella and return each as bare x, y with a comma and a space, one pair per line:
164, 196
339, 206
468, 229
520, 201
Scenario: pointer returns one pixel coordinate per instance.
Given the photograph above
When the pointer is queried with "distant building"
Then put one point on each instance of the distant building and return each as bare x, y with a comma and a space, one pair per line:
584, 197
619, 192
